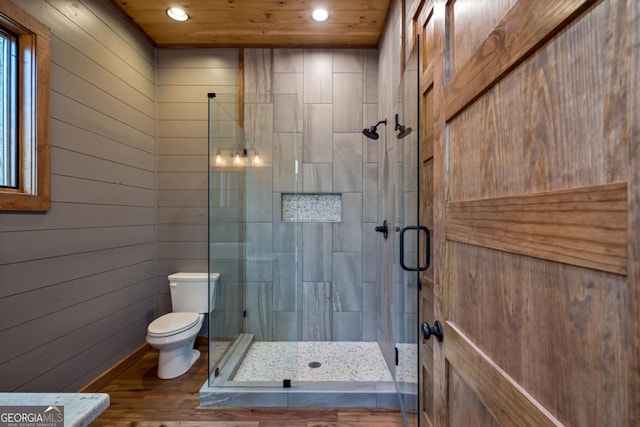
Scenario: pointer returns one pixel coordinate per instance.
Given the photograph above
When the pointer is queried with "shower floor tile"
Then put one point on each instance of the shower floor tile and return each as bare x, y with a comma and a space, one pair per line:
407, 369
338, 361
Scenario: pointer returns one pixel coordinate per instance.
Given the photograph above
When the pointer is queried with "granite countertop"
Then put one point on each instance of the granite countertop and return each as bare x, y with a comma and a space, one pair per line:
80, 409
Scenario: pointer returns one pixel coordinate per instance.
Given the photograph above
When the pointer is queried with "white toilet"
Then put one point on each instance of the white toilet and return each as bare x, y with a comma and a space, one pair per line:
174, 334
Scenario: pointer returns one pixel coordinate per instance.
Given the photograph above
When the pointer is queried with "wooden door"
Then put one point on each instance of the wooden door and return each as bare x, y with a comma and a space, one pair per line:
531, 107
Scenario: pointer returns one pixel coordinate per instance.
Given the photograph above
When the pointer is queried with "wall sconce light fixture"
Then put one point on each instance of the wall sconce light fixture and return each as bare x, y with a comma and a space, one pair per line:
244, 157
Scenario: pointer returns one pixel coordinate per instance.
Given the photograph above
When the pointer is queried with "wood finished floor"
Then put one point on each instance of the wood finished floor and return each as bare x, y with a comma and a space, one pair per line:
139, 398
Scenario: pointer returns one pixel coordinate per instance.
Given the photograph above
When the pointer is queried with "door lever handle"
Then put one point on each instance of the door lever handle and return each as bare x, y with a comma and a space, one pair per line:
436, 331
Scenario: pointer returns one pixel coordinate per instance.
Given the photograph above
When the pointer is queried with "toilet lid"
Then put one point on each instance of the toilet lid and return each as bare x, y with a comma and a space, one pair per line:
172, 323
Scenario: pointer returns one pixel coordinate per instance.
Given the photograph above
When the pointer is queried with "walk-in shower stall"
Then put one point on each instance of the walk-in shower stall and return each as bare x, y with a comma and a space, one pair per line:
307, 288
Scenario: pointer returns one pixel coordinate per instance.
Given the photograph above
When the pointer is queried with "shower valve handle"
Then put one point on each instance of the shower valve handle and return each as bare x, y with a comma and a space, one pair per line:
383, 229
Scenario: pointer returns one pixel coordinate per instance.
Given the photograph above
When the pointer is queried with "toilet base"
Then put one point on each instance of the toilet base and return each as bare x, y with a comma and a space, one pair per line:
175, 362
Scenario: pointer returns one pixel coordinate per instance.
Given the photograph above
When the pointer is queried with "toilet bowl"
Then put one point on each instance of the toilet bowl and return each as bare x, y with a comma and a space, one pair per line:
174, 334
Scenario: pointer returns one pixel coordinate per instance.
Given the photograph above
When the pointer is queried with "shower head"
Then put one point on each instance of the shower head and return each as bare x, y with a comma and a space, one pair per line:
404, 131
372, 132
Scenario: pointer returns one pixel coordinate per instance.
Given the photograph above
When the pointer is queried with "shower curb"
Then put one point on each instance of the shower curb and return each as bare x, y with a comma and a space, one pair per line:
311, 394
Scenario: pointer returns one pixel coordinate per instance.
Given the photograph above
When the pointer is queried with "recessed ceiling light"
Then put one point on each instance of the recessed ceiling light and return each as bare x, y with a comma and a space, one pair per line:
320, 15
177, 14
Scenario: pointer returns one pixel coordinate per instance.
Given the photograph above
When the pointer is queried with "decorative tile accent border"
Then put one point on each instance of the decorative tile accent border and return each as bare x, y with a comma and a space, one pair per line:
308, 207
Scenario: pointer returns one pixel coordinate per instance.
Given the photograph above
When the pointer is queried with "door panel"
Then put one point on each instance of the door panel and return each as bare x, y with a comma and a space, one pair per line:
470, 21
426, 355
535, 212
465, 406
557, 330
524, 27
506, 401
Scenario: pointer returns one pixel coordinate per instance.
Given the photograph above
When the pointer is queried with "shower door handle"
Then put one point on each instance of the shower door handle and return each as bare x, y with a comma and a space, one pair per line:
427, 248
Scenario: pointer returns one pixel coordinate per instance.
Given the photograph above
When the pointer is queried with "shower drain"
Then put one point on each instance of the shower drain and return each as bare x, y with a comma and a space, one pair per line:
315, 364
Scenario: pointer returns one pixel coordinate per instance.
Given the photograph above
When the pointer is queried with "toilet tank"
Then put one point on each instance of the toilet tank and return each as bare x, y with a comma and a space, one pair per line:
190, 291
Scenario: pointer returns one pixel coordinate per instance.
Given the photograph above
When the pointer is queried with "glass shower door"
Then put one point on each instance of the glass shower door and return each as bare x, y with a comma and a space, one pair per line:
226, 248
408, 231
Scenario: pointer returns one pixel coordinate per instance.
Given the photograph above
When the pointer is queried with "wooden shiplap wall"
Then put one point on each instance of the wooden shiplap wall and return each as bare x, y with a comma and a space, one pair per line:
185, 76
77, 283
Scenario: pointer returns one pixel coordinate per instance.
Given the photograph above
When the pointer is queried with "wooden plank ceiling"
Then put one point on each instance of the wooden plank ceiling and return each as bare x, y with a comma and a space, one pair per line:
259, 23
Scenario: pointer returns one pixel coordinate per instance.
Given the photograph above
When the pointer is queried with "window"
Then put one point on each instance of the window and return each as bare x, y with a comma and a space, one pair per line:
25, 50
8, 109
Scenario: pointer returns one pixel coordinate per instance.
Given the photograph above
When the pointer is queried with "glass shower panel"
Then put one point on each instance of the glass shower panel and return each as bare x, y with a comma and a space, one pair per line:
226, 250
256, 299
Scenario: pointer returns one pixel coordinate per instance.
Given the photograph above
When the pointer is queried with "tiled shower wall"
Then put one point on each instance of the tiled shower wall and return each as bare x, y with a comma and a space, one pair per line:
312, 280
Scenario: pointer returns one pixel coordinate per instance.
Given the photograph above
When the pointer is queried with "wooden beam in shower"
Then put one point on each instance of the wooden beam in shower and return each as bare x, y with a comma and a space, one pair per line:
241, 88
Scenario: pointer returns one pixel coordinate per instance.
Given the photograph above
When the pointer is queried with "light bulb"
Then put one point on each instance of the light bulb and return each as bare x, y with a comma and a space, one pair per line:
218, 159
177, 14
320, 15
256, 159
236, 159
